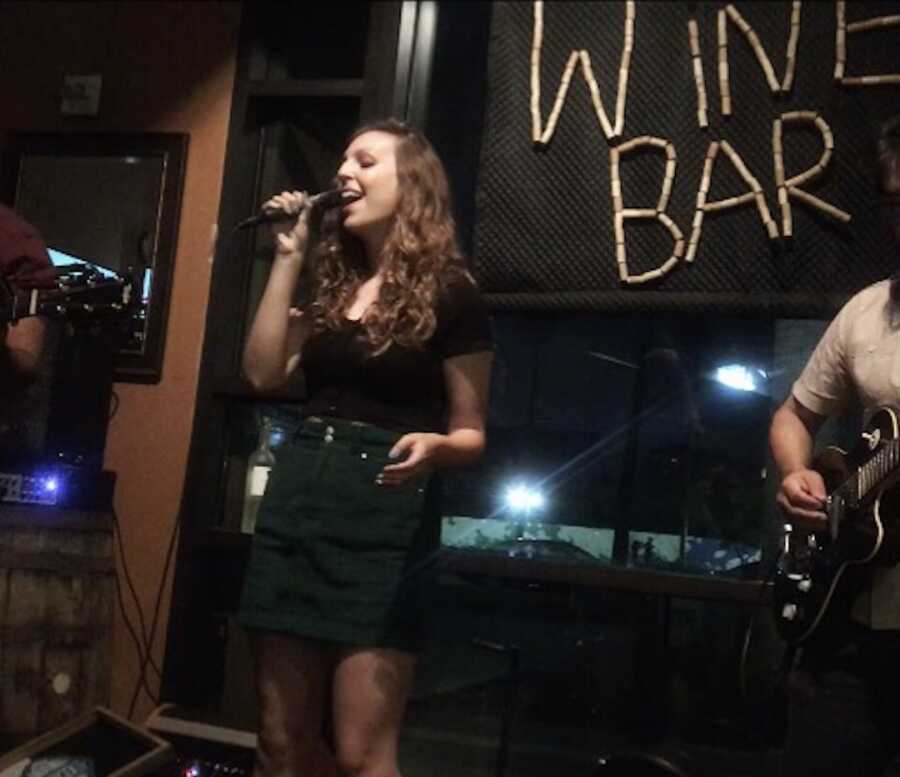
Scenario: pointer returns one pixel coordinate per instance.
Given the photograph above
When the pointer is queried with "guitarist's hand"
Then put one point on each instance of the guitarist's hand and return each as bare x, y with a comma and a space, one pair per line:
802, 497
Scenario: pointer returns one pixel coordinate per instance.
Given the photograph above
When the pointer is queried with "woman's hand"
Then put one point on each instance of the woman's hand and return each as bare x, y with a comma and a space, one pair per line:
290, 236
420, 448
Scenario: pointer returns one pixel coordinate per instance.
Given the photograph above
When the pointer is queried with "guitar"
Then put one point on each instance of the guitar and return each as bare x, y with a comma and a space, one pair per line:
819, 573
80, 293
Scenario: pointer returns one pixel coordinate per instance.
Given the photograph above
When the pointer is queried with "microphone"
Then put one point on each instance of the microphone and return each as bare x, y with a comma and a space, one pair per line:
332, 198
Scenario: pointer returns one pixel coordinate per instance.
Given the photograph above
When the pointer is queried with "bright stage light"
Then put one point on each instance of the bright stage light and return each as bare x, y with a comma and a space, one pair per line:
740, 377
521, 498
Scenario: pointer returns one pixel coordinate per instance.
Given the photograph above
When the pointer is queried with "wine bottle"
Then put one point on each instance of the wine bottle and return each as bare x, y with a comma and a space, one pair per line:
259, 464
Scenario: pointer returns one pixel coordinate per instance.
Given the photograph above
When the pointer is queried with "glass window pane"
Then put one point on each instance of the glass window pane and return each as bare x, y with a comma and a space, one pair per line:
638, 439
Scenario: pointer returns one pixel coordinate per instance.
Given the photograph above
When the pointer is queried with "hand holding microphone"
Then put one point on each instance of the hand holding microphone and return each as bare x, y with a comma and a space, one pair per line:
289, 213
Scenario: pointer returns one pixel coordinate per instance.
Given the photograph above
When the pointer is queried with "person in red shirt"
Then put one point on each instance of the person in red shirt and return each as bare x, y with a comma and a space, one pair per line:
24, 264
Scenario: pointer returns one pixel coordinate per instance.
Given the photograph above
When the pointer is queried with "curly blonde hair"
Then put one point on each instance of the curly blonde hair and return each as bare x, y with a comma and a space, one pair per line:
420, 248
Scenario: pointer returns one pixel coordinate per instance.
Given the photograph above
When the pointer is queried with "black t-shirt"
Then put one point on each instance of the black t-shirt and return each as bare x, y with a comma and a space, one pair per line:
402, 388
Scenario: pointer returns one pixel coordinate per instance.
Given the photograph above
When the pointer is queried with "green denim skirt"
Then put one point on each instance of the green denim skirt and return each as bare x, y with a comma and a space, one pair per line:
336, 557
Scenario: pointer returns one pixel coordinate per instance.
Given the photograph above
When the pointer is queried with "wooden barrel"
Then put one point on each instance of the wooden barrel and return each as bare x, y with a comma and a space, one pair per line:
57, 593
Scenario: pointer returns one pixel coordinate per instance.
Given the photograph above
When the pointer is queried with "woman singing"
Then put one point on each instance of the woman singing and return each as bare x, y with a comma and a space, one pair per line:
395, 348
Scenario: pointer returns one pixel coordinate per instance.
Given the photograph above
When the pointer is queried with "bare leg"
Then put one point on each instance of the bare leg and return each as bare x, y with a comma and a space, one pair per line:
371, 686
293, 679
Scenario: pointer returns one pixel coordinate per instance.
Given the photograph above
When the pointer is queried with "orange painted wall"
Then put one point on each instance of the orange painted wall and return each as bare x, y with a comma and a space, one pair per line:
166, 67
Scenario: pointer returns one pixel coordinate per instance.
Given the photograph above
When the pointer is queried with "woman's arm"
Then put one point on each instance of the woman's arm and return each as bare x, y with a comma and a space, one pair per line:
272, 350
467, 378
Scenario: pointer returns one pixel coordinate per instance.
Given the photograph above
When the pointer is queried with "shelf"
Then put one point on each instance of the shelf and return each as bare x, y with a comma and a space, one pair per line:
305, 87
636, 580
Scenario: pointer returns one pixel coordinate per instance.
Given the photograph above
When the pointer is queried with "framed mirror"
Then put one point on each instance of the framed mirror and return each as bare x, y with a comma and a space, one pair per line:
112, 201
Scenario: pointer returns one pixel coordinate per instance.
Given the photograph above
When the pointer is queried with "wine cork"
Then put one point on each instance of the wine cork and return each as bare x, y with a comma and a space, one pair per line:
694, 241
800, 116
736, 17
620, 102
787, 222
882, 80
731, 202
560, 97
665, 194
793, 40
697, 65
840, 42
724, 84
876, 23
673, 228
810, 117
536, 43
595, 95
755, 44
621, 261
739, 165
821, 205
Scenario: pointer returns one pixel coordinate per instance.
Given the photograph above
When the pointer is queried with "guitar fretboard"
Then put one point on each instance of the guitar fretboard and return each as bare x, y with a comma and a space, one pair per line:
874, 472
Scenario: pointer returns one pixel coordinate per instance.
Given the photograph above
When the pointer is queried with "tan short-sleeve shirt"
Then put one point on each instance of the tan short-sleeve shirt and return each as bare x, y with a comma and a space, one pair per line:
859, 354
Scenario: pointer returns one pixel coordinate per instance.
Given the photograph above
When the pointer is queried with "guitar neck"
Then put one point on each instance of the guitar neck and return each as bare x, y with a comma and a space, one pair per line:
22, 305
873, 474
89, 297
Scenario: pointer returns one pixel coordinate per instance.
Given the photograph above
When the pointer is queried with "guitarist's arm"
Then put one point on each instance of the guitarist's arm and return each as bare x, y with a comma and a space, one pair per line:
23, 346
20, 352
792, 436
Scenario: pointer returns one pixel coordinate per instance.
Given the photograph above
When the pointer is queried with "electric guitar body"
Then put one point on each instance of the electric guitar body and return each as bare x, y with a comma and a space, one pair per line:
820, 572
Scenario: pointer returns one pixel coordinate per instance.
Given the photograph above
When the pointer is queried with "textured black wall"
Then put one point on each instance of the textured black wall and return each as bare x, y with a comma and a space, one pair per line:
544, 227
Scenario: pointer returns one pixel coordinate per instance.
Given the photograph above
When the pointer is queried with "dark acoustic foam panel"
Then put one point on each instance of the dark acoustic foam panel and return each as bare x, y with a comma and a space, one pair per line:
544, 230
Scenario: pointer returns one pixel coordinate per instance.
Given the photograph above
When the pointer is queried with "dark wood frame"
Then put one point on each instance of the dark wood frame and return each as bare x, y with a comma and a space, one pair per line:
206, 571
146, 366
159, 752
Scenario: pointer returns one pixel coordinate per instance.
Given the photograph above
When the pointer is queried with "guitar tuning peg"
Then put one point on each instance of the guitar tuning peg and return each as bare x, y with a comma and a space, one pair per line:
872, 438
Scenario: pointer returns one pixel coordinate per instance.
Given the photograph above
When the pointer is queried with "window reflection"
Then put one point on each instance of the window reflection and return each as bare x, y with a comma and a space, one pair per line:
645, 437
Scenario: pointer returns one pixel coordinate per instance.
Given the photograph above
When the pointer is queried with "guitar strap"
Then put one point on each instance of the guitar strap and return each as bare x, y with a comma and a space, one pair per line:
6, 301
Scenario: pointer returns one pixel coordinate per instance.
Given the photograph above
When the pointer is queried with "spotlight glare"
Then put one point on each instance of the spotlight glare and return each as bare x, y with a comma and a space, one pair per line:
736, 376
522, 498
51, 485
